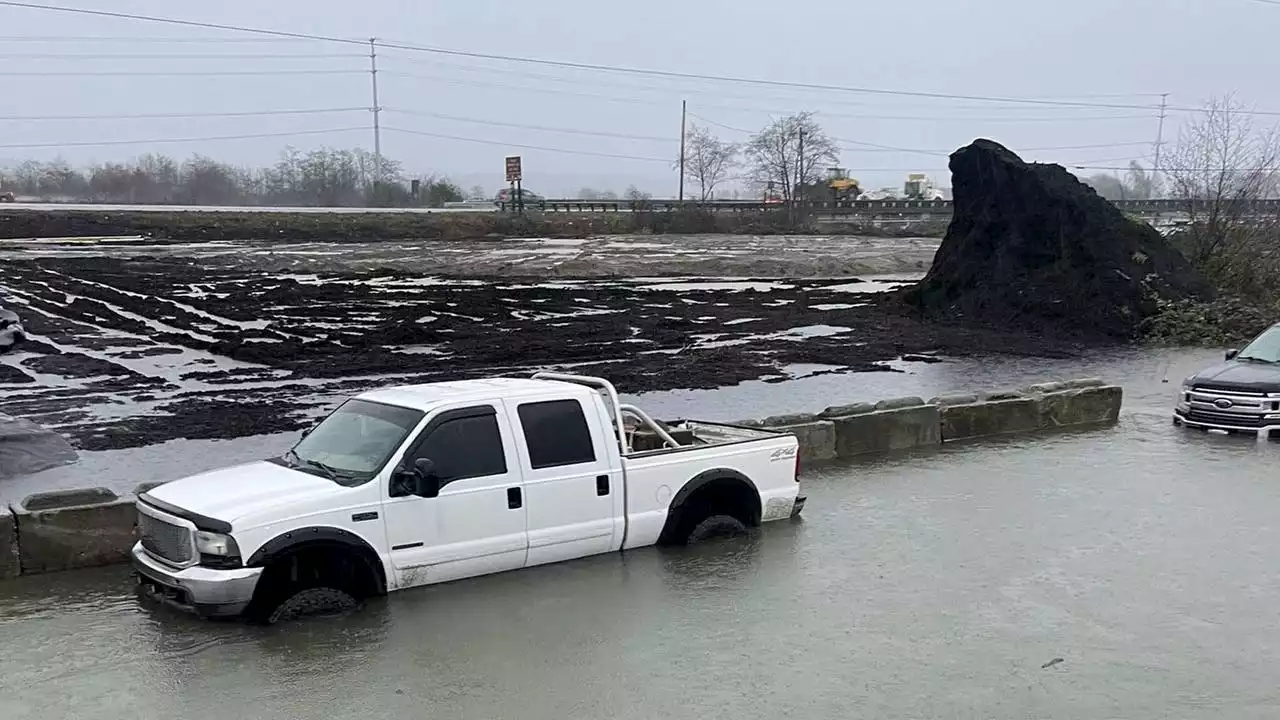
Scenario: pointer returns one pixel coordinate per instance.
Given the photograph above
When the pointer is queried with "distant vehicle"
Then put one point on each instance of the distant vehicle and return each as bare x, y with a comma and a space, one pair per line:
11, 331
506, 195
423, 484
6, 196
1240, 395
919, 187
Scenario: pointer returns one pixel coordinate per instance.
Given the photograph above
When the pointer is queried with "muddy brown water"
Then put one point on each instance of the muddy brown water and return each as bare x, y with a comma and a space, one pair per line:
1123, 572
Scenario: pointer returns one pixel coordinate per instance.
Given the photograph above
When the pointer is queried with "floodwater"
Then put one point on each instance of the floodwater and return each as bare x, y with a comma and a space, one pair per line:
1123, 572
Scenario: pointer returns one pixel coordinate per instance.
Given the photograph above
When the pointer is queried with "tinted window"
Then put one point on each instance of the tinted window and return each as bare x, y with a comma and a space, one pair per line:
556, 433
466, 447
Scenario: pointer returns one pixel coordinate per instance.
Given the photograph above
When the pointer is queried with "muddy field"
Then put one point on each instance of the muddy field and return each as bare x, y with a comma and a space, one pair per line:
134, 344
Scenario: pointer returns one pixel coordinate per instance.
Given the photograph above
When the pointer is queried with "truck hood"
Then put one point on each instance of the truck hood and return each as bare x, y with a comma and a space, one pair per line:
240, 491
1240, 375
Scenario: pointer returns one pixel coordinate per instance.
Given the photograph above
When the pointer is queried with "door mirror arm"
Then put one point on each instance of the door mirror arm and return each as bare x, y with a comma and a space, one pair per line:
420, 481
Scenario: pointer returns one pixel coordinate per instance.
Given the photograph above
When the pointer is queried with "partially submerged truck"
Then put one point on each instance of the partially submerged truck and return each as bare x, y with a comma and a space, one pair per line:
1240, 395
422, 484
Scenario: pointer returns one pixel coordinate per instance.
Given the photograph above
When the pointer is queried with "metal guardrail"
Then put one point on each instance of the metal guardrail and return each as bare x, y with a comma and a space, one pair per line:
854, 207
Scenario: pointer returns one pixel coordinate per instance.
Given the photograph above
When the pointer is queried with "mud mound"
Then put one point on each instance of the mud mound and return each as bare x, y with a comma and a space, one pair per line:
1030, 247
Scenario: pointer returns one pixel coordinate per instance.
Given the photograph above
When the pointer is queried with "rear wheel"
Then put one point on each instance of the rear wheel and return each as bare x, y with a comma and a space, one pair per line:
716, 526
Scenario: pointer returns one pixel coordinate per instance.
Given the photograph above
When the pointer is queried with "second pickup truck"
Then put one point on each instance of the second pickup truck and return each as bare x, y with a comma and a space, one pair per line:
422, 484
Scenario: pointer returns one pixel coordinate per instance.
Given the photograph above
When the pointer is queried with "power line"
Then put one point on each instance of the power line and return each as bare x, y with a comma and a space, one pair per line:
542, 128
669, 74
667, 88
151, 141
175, 73
178, 115
140, 39
527, 147
220, 56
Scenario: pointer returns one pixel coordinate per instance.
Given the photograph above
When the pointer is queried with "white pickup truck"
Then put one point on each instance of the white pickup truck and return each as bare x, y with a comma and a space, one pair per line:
422, 484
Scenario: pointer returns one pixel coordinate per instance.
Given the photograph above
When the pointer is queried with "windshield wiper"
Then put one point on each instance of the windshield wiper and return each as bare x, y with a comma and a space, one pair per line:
296, 460
1255, 358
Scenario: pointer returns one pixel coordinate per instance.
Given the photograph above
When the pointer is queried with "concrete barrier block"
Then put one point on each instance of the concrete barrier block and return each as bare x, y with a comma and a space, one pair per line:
74, 529
944, 400
1001, 395
1084, 383
148, 486
10, 563
778, 421
984, 419
839, 411
817, 440
1083, 406
896, 403
887, 430
1042, 388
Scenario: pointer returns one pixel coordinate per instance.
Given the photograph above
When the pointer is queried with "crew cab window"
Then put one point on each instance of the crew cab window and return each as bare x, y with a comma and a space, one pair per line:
556, 433
465, 447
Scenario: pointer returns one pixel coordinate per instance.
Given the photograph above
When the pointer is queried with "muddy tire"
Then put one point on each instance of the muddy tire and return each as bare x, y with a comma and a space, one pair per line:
312, 601
716, 526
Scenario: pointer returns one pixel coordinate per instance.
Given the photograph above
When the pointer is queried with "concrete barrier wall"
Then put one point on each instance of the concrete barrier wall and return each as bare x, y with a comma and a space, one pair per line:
73, 529
865, 428
86, 528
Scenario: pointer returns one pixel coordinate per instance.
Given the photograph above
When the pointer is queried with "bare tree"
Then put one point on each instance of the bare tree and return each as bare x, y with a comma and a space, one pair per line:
1219, 170
790, 153
708, 160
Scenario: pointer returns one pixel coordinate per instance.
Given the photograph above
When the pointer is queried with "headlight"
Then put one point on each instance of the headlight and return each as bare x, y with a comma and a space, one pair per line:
210, 543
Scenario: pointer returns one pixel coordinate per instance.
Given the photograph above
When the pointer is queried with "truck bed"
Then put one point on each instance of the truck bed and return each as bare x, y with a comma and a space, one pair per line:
694, 434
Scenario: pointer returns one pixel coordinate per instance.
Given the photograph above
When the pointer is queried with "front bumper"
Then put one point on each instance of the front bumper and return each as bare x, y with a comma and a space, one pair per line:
1264, 432
203, 591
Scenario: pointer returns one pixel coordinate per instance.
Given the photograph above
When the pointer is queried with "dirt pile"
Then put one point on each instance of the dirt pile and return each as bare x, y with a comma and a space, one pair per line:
1032, 248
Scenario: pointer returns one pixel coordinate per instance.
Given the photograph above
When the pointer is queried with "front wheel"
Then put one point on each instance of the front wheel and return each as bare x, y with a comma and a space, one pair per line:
717, 526
311, 601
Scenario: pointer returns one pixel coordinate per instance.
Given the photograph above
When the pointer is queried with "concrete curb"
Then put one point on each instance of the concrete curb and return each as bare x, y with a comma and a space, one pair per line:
72, 529
865, 428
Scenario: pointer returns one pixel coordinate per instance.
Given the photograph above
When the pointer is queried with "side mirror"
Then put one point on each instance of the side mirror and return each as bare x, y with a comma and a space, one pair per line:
1231, 354
428, 482
421, 481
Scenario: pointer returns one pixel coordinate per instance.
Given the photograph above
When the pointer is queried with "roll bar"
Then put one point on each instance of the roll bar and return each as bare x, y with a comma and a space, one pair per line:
615, 404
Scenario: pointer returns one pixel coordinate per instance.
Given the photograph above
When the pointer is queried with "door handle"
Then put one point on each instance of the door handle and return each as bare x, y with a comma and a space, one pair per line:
514, 501
602, 485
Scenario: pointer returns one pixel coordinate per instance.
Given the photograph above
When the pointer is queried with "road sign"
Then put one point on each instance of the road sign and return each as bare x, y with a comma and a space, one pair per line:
513, 169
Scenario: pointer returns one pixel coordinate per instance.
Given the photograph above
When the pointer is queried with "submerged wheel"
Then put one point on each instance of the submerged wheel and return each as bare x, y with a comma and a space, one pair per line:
312, 601
716, 526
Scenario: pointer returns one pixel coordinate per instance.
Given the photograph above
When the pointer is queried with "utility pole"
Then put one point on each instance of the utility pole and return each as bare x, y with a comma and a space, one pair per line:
1155, 166
684, 112
376, 110
799, 172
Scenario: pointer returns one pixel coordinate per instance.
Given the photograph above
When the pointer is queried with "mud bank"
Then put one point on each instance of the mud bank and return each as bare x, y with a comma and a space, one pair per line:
72, 529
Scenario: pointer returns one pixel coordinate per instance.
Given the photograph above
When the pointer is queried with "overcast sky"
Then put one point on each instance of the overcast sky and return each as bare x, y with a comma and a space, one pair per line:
1123, 52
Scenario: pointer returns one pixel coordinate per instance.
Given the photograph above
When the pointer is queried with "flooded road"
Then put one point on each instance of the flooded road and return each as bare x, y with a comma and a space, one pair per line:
936, 585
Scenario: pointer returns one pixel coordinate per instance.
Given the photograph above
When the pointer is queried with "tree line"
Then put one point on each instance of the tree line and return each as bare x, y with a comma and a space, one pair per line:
786, 159
325, 177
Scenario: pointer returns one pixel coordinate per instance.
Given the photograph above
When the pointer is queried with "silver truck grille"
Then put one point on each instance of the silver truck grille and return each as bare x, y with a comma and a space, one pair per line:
164, 540
1234, 408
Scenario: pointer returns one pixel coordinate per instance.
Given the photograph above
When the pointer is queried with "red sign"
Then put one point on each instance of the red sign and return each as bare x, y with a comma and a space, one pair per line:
513, 168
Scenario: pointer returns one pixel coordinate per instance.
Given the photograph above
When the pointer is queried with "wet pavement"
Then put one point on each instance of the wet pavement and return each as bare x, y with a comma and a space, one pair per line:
1139, 558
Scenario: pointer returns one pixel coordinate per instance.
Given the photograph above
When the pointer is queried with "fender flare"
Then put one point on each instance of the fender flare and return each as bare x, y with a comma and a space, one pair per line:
675, 510
287, 542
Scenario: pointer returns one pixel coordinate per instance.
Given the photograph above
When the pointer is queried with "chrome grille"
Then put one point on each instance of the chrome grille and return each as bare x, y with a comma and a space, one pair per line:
164, 540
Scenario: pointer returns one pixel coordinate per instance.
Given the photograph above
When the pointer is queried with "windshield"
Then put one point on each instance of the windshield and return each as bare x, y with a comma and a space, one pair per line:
355, 441
1265, 347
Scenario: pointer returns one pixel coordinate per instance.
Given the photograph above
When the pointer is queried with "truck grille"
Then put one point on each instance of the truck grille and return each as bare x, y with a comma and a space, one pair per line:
1239, 420
164, 540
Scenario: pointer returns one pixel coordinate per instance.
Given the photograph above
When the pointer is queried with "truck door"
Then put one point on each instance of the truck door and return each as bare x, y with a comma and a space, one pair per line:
574, 497
476, 524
